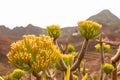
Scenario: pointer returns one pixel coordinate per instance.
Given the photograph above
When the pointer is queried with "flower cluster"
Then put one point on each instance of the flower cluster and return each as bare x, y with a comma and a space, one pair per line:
108, 68
105, 47
68, 58
54, 31
70, 48
33, 53
17, 73
89, 29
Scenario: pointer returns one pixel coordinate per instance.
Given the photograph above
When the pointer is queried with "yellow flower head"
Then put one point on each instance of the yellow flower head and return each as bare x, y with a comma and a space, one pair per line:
106, 47
70, 48
17, 73
108, 68
68, 58
89, 29
54, 31
33, 53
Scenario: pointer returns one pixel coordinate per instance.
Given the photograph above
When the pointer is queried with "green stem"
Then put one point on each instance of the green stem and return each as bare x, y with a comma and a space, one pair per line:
80, 55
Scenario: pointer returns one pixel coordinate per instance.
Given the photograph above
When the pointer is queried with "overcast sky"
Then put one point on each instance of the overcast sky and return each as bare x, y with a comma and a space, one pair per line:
46, 12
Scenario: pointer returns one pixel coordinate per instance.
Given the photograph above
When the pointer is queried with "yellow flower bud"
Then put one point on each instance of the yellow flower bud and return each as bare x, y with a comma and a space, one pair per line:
70, 48
89, 29
108, 68
17, 73
54, 31
68, 58
105, 47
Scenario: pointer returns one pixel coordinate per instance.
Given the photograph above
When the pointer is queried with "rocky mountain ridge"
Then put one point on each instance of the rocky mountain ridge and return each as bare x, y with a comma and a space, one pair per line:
107, 18
19, 31
110, 23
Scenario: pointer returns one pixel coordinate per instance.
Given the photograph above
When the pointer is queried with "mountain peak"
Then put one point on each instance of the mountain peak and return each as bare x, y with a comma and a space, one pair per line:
30, 25
106, 11
106, 17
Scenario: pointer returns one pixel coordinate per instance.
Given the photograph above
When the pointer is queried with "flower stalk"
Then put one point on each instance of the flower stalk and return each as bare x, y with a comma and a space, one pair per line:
80, 55
100, 41
38, 75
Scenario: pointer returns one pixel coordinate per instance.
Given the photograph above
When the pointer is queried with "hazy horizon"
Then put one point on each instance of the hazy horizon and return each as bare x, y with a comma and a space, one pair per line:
42, 13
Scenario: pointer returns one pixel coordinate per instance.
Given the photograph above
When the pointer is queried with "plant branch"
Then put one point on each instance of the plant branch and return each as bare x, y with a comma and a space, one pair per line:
102, 54
115, 59
80, 55
38, 75
62, 63
47, 71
